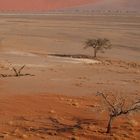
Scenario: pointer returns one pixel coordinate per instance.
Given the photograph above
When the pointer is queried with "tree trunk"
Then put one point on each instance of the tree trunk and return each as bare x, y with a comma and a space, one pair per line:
109, 124
95, 52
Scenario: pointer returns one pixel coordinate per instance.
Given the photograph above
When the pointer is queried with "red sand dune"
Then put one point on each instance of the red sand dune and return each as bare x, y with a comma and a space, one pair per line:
37, 5
44, 5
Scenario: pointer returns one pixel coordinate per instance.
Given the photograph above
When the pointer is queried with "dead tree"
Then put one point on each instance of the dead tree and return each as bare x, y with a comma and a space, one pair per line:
118, 107
18, 72
98, 45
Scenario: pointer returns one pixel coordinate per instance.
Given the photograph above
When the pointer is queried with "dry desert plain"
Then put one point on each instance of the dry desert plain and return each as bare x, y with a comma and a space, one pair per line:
58, 100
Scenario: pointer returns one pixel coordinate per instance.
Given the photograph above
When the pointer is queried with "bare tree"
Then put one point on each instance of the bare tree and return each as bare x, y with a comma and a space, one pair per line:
98, 45
117, 107
18, 72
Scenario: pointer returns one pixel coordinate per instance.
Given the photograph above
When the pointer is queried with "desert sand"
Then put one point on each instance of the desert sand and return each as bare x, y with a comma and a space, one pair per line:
59, 100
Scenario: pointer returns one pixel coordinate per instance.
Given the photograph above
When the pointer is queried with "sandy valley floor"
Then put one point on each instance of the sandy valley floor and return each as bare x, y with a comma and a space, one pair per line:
59, 101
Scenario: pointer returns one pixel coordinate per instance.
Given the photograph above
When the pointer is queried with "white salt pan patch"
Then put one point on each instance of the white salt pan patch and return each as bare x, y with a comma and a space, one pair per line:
20, 53
73, 60
88, 61
36, 60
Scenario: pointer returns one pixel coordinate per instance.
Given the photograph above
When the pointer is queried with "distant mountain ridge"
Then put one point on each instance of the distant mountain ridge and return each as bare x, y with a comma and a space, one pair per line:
46, 5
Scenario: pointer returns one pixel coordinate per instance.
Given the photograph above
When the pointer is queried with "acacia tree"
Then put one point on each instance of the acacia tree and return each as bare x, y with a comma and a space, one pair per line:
98, 45
118, 106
